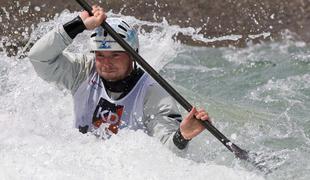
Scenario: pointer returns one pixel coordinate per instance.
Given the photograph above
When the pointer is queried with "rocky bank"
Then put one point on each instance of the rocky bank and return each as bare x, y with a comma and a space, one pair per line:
215, 18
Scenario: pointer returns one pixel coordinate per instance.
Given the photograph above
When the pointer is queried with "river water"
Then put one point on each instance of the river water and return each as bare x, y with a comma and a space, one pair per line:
258, 96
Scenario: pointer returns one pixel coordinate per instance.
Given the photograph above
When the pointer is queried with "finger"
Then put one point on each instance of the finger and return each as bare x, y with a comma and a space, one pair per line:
201, 110
95, 6
205, 117
84, 15
96, 13
191, 114
101, 10
198, 115
102, 17
97, 9
202, 115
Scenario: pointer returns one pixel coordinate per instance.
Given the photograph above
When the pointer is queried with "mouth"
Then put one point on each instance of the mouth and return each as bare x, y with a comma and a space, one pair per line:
108, 70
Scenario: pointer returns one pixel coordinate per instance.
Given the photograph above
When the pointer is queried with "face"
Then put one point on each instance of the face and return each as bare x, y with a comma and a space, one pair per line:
113, 65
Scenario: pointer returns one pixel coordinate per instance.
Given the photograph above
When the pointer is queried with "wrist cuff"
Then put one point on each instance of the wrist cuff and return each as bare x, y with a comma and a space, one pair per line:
74, 27
179, 141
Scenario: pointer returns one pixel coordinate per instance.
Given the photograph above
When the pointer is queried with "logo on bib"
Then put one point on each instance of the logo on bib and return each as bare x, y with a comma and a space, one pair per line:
107, 112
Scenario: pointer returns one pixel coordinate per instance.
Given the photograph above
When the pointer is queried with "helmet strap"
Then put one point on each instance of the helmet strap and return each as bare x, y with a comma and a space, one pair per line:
135, 66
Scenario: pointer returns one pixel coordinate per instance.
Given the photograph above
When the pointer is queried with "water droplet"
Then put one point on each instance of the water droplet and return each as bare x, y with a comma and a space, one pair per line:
37, 8
233, 136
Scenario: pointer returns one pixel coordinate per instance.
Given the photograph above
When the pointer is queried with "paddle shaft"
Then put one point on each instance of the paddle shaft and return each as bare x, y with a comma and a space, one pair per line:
242, 154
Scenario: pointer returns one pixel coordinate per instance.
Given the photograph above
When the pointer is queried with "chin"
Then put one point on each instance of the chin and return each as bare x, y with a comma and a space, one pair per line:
109, 77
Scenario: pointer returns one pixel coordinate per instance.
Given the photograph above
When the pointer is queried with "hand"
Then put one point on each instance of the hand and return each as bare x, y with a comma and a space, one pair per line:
91, 22
190, 126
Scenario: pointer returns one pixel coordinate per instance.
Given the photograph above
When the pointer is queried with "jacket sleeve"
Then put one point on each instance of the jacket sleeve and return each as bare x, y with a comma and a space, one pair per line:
161, 116
54, 65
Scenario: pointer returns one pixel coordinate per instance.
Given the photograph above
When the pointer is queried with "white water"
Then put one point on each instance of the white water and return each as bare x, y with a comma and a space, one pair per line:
38, 141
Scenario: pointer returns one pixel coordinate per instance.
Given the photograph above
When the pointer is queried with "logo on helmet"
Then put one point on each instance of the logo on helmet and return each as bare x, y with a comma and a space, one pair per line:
104, 44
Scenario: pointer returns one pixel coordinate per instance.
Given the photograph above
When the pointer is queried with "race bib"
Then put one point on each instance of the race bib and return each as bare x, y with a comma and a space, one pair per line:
108, 113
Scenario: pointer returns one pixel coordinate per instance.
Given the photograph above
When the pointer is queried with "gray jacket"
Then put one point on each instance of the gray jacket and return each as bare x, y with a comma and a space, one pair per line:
70, 70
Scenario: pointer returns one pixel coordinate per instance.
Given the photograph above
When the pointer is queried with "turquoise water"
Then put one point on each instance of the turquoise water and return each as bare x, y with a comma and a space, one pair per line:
257, 96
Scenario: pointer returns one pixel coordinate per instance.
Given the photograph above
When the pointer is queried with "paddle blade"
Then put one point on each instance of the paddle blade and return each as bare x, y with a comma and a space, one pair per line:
253, 158
239, 153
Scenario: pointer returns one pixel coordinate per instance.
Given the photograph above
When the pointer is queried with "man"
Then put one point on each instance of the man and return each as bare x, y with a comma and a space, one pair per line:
110, 92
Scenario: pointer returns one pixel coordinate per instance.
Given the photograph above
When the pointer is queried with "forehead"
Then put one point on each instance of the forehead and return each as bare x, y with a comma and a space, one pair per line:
108, 52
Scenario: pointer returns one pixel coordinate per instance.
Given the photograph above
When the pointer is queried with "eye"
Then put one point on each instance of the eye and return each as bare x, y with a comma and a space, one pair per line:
116, 55
101, 56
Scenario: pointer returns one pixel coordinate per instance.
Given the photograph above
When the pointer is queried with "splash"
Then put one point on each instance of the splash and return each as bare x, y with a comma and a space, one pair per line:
38, 140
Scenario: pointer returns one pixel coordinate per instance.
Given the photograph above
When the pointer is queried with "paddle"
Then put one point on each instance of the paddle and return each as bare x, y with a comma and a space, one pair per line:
238, 152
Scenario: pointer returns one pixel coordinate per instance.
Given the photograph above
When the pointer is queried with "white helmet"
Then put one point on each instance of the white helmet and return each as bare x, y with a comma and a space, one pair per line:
102, 41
